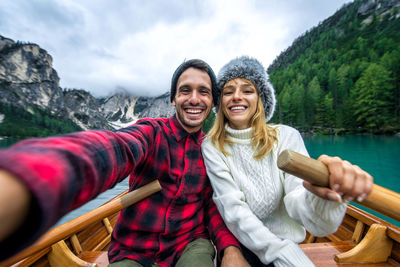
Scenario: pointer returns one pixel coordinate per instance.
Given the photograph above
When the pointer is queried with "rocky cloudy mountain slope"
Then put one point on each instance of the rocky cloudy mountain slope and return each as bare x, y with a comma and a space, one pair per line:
28, 80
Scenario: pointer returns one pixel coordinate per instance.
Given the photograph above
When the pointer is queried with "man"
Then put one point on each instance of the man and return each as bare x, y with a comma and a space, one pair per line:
46, 178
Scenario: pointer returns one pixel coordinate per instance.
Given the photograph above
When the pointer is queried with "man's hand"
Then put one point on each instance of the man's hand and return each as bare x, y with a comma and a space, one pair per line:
346, 181
233, 257
14, 204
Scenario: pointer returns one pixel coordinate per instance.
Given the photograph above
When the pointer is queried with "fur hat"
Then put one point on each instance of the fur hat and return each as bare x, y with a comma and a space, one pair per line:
197, 64
252, 70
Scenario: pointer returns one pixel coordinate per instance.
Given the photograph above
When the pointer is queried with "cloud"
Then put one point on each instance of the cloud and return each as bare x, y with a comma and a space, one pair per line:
100, 45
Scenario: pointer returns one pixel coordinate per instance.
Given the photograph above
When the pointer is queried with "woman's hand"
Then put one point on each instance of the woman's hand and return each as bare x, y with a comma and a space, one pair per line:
346, 181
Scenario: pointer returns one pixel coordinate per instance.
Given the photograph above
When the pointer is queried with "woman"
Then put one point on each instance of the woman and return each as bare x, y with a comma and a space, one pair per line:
266, 209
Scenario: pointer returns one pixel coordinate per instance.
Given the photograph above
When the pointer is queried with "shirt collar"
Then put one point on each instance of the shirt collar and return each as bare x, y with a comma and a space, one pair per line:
180, 133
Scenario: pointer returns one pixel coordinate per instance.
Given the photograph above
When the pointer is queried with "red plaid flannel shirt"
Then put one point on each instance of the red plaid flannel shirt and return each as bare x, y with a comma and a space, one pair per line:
65, 172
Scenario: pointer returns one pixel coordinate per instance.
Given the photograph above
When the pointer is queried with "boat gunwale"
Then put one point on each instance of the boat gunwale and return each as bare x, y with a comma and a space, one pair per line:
393, 231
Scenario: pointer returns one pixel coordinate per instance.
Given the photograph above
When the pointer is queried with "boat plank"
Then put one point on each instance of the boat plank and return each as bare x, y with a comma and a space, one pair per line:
92, 236
396, 252
35, 258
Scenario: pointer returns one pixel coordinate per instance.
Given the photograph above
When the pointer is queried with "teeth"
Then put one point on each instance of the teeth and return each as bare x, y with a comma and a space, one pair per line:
193, 111
237, 108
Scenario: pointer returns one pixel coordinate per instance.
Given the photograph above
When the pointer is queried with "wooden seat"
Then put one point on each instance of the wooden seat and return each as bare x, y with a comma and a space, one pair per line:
99, 257
322, 254
61, 255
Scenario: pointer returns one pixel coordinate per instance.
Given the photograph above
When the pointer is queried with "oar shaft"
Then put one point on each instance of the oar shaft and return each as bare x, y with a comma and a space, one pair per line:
64, 231
382, 200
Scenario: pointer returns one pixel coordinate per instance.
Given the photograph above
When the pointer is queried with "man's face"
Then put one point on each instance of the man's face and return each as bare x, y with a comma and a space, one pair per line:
193, 99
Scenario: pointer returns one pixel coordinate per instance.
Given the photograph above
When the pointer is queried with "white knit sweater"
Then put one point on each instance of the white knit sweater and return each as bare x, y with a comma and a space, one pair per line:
264, 207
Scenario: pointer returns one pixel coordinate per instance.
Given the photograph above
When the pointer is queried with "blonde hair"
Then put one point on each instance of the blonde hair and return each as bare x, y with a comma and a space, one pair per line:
263, 136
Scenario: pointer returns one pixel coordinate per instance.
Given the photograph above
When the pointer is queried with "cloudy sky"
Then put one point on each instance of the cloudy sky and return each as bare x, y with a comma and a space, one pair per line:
101, 45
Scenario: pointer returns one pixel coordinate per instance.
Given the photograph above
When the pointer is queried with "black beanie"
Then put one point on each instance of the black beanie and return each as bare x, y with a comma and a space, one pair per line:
197, 64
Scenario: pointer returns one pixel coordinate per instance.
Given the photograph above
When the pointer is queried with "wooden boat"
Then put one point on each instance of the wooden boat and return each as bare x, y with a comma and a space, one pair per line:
82, 241
361, 240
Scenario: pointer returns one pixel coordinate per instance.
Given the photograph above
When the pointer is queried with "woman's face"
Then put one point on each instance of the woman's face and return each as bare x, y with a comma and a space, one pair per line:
239, 102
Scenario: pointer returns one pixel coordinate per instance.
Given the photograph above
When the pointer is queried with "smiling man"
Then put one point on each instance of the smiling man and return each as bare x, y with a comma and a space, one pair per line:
193, 99
170, 228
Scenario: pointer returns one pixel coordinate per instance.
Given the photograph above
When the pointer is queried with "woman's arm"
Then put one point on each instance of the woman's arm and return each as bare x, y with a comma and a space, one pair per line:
319, 209
242, 222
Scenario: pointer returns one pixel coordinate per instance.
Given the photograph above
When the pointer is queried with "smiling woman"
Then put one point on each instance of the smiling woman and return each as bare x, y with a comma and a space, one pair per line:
239, 102
269, 210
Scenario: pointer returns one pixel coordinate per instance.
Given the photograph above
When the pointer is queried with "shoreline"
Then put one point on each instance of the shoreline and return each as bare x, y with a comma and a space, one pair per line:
341, 131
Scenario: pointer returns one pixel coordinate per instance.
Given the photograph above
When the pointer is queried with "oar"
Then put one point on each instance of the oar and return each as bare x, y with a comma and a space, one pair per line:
382, 200
67, 229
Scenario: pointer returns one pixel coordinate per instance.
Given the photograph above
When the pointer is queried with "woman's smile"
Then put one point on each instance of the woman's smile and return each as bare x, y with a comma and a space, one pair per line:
239, 102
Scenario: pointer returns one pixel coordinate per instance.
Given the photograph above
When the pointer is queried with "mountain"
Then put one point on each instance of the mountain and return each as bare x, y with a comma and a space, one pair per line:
153, 107
343, 76
121, 109
30, 92
85, 110
26, 77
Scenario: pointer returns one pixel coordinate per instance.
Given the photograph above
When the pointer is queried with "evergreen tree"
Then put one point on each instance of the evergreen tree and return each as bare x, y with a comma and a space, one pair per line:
357, 65
391, 61
373, 92
313, 98
209, 122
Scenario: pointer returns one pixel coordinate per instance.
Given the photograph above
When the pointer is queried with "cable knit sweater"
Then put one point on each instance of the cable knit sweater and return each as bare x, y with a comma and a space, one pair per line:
267, 209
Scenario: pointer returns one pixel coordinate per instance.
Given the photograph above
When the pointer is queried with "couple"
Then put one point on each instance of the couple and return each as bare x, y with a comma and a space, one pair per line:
266, 209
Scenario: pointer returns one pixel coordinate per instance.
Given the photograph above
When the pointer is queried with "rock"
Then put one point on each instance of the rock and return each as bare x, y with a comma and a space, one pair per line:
27, 79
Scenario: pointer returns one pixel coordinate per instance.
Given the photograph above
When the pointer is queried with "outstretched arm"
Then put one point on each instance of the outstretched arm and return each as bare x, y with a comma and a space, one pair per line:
57, 174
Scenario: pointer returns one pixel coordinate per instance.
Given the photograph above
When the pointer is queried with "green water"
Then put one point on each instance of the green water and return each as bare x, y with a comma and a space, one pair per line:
378, 155
6, 142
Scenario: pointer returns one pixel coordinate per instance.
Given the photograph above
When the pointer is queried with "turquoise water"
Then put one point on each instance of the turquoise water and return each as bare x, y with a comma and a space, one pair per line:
378, 155
7, 142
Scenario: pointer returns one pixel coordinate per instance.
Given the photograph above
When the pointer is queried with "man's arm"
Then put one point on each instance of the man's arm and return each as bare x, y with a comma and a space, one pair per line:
62, 173
14, 203
233, 257
225, 242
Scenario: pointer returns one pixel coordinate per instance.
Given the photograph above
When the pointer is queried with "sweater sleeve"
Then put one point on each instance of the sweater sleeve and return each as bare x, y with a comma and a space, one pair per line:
64, 172
242, 222
319, 216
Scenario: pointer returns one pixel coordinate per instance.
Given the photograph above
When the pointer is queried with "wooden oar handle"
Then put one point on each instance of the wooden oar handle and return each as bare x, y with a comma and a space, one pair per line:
380, 199
304, 167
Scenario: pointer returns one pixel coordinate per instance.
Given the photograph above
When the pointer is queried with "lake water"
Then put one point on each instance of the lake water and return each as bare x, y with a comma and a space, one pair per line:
378, 155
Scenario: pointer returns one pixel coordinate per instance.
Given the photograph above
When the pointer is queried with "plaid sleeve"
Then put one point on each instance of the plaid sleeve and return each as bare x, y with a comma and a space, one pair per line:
219, 233
64, 172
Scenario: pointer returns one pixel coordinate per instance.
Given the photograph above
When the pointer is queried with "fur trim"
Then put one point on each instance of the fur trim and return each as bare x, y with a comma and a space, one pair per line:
252, 70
